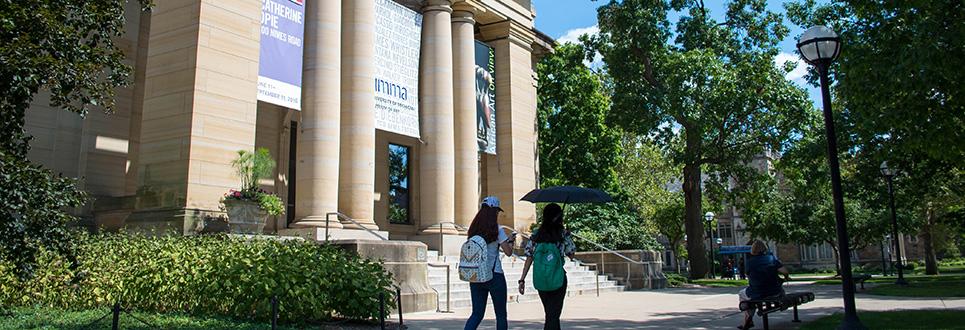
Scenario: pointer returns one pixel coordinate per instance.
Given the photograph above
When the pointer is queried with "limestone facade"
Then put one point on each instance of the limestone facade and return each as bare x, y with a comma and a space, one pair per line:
162, 160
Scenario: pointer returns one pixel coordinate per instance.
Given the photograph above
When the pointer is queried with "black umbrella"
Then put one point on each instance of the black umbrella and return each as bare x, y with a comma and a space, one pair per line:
567, 194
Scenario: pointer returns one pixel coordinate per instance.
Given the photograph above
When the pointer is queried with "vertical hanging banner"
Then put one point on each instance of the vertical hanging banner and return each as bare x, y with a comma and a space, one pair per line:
398, 38
485, 98
280, 59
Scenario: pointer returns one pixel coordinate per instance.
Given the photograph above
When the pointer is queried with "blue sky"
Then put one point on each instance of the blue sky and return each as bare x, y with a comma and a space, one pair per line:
566, 20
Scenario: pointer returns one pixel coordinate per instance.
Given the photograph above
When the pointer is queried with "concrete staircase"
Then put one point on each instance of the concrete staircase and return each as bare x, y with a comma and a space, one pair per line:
580, 281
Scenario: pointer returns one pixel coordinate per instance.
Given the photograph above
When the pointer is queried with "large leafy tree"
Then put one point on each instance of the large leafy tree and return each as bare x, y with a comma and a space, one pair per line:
707, 90
900, 91
576, 146
795, 206
67, 49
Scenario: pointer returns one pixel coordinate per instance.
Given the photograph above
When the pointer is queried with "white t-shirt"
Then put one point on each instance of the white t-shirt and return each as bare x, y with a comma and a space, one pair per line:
493, 250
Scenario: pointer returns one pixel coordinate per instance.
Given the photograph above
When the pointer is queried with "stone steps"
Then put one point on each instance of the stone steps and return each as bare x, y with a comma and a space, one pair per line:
580, 281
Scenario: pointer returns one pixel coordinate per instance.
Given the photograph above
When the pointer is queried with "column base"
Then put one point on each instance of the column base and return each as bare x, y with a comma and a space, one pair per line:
446, 244
406, 261
436, 229
319, 221
318, 234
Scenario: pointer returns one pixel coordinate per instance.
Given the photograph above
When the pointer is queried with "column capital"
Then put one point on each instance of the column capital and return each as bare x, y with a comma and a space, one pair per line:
468, 7
437, 5
517, 33
463, 16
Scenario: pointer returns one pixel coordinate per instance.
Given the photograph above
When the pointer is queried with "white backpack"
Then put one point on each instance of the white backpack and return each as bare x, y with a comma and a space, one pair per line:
474, 263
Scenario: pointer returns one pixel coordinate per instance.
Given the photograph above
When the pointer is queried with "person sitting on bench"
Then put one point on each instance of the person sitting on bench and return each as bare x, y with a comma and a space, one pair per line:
762, 279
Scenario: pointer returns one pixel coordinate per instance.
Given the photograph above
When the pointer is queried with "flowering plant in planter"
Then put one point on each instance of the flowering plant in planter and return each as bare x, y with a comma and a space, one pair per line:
249, 207
269, 202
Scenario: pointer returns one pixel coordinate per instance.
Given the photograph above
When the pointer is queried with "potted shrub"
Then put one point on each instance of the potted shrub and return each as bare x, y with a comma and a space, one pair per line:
249, 208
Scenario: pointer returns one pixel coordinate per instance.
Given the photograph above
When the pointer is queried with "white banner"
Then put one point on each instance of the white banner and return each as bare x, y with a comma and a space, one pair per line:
398, 34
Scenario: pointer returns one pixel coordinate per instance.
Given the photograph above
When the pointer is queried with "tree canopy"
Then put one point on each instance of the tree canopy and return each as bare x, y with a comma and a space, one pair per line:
707, 91
67, 49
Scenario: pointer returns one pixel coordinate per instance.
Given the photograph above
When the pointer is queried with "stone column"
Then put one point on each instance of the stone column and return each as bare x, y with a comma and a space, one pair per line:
200, 105
464, 96
316, 181
437, 155
356, 177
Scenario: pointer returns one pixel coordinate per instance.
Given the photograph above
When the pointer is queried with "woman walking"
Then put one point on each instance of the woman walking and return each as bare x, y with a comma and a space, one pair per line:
545, 252
485, 224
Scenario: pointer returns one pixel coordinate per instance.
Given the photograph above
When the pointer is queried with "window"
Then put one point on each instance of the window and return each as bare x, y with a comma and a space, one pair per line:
398, 184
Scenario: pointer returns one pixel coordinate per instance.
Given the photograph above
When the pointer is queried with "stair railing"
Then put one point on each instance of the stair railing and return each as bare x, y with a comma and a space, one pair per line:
442, 245
611, 251
448, 289
340, 216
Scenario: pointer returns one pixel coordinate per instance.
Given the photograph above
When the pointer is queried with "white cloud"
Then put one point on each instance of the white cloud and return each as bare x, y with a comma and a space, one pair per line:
573, 35
798, 73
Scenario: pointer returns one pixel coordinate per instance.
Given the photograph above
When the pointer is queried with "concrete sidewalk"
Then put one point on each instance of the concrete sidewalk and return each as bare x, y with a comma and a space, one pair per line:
698, 308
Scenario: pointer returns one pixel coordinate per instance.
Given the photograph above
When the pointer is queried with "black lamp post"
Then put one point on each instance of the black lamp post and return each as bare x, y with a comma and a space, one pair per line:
889, 174
819, 46
709, 217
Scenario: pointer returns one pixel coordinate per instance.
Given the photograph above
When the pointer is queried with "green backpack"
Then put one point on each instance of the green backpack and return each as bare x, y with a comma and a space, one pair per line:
547, 267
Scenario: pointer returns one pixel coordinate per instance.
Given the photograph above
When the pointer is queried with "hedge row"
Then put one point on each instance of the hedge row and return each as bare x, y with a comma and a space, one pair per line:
205, 275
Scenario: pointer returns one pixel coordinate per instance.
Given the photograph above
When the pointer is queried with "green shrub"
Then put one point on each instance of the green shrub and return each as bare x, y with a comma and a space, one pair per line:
675, 280
613, 225
206, 275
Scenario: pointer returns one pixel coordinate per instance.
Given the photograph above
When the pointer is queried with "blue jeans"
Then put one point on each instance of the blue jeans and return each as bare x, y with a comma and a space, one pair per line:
496, 288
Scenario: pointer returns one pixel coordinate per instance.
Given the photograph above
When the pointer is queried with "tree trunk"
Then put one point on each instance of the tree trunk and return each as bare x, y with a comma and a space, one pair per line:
673, 252
693, 222
931, 265
837, 259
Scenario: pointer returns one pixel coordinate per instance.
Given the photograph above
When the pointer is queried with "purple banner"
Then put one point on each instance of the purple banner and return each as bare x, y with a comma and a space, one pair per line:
280, 62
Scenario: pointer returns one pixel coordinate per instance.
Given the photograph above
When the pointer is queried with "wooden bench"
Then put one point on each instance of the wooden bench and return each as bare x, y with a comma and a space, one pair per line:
860, 279
776, 304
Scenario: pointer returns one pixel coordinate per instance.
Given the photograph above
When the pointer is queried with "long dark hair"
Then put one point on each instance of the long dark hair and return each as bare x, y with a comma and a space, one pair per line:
551, 229
485, 224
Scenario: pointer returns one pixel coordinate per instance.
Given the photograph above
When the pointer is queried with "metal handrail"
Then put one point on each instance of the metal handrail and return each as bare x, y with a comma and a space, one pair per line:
341, 216
448, 289
602, 268
442, 244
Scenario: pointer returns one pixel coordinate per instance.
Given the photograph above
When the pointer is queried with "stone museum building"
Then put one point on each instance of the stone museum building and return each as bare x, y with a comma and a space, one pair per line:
398, 115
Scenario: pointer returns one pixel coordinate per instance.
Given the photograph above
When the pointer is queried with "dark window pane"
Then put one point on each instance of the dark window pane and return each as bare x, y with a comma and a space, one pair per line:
398, 184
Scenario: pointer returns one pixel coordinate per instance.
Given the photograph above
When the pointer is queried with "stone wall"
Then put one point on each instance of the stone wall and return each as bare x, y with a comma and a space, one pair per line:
646, 272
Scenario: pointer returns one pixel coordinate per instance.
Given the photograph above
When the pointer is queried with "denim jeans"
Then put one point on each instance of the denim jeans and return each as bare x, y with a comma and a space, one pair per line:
496, 288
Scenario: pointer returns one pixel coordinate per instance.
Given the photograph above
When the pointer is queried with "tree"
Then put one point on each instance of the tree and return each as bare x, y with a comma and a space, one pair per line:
707, 91
794, 206
576, 146
669, 220
66, 48
901, 95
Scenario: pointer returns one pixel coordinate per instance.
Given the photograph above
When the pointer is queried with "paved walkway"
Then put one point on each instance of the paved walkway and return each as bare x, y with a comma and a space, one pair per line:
698, 308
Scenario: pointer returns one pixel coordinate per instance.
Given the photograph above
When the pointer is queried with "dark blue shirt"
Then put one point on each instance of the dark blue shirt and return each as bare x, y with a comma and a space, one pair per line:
762, 276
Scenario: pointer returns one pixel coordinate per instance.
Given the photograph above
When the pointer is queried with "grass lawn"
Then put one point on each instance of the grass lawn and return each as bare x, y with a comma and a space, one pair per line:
42, 318
922, 289
715, 283
924, 319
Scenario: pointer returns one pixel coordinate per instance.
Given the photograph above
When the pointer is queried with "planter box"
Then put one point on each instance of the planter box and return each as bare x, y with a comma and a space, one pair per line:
245, 217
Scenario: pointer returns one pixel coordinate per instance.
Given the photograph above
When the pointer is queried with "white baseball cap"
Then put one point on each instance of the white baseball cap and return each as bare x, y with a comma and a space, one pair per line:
491, 201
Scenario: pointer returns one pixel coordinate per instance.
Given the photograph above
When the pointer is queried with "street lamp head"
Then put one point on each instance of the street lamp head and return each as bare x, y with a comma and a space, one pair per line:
887, 171
819, 45
719, 241
709, 216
